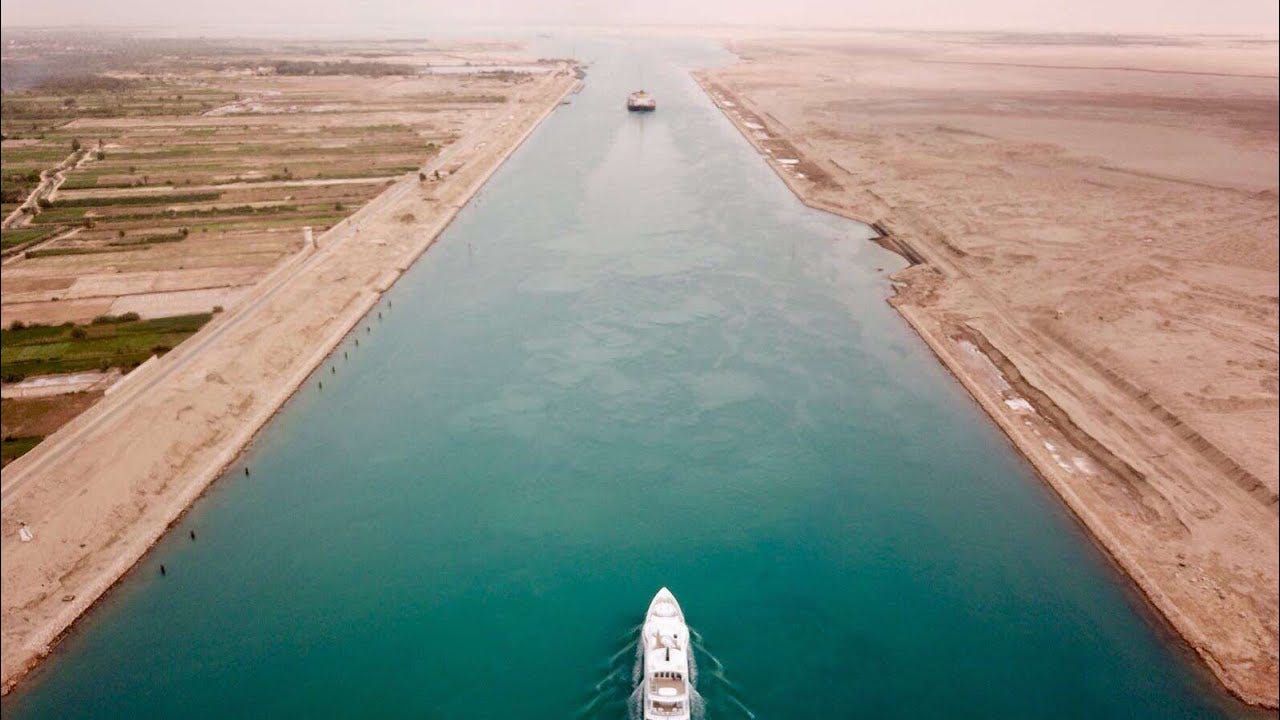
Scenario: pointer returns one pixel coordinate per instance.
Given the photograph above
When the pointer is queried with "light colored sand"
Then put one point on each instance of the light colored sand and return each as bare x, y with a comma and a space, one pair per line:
179, 302
1096, 234
213, 266
102, 489
49, 313
64, 384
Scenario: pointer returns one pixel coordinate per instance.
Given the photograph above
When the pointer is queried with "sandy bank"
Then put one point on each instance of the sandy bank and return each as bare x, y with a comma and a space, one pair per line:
97, 494
1093, 230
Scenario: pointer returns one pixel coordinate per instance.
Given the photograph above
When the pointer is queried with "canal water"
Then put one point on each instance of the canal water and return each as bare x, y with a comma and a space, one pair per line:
635, 360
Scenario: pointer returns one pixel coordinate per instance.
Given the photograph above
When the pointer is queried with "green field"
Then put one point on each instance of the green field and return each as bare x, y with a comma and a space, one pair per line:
37, 155
152, 199
15, 448
18, 236
98, 250
45, 350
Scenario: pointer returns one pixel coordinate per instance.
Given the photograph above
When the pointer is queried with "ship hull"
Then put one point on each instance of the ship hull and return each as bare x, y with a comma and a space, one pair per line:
668, 687
641, 101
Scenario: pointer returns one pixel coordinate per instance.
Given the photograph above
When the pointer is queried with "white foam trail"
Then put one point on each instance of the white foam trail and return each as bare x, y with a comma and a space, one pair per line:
618, 655
742, 707
719, 666
635, 706
607, 678
720, 686
637, 670
697, 706
586, 710
724, 680
609, 690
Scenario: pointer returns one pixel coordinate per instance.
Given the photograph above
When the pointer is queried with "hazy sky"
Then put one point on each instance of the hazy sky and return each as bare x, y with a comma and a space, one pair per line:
1254, 16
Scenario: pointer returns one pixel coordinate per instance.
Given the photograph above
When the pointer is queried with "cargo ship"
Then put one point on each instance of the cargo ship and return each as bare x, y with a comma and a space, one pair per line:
641, 101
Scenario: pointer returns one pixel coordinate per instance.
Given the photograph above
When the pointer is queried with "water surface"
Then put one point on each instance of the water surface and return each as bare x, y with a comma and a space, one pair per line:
636, 360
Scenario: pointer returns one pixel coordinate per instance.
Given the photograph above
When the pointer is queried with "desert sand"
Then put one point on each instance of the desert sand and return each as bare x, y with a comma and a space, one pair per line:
101, 490
1092, 227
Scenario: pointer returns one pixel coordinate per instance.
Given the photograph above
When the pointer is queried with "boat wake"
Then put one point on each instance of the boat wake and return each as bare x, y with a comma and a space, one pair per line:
610, 694
618, 693
718, 692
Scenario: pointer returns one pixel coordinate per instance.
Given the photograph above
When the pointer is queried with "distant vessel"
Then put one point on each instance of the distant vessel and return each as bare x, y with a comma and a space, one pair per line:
641, 101
667, 686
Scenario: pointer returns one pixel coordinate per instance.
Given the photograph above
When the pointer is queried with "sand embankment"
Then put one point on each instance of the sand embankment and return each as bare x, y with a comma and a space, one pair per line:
1093, 235
98, 493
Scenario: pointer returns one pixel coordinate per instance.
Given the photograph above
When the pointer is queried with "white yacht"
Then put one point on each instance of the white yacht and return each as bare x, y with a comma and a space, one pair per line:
667, 685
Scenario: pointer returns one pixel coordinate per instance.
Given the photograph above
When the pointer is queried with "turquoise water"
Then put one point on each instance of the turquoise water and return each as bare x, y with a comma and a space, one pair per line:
635, 360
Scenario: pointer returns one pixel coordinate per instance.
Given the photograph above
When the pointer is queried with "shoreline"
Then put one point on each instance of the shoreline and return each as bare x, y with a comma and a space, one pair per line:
993, 380
26, 648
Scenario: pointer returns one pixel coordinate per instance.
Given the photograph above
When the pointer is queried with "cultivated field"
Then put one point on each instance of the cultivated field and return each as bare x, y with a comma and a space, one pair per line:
193, 176
174, 177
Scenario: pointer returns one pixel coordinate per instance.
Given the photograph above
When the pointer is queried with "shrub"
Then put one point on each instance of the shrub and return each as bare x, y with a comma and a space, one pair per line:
17, 325
75, 145
343, 67
79, 334
101, 155
86, 83
217, 309
108, 319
